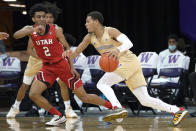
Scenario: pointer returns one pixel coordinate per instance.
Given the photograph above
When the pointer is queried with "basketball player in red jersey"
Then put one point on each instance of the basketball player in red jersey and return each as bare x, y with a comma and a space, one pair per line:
48, 42
51, 17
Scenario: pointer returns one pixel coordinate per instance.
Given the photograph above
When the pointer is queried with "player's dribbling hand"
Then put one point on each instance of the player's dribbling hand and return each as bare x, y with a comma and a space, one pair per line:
114, 53
3, 35
67, 53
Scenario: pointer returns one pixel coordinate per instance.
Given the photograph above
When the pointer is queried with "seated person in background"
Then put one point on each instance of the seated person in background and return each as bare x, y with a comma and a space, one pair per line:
171, 55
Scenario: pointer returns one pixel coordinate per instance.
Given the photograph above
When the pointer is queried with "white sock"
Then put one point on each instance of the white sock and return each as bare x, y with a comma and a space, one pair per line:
109, 94
146, 100
17, 104
67, 104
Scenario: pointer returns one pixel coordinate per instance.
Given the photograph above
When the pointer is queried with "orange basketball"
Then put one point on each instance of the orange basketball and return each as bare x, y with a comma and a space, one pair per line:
108, 64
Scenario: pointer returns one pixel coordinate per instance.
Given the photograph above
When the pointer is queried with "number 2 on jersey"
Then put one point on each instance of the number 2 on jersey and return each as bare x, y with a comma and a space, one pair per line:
46, 51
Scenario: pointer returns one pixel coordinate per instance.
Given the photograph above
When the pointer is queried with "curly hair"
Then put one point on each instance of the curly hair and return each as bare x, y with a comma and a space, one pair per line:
36, 8
53, 9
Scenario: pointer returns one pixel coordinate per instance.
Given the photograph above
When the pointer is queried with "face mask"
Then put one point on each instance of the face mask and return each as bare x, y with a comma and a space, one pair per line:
172, 47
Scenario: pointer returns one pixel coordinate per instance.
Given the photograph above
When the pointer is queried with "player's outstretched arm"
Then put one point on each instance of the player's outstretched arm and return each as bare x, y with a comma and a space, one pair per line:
25, 31
82, 46
3, 35
28, 30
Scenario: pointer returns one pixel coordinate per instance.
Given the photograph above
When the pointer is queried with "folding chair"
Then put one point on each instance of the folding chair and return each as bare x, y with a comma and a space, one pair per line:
10, 69
169, 89
149, 61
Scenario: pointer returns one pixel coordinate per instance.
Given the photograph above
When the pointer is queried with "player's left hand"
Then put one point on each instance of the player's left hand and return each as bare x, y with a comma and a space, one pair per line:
3, 35
74, 72
114, 53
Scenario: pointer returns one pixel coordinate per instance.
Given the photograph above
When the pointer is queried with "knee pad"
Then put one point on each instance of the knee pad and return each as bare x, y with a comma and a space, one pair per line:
28, 79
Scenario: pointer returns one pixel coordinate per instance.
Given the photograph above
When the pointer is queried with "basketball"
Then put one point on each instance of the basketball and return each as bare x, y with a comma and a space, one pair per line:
108, 64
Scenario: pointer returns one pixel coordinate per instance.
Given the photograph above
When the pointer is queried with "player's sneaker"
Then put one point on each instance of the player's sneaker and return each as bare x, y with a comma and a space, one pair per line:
56, 120
70, 113
116, 114
12, 112
179, 116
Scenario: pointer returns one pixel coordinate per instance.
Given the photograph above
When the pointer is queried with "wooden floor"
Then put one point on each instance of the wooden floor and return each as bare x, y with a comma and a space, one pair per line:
94, 123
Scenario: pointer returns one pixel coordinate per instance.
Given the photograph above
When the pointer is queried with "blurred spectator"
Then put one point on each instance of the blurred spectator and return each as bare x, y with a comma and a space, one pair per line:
172, 52
170, 57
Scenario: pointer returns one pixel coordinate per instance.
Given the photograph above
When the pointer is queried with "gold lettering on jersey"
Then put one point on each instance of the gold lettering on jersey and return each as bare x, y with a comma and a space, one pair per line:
44, 42
104, 47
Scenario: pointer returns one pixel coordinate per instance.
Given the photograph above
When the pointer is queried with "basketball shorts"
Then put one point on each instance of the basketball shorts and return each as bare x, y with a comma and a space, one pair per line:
50, 72
32, 68
130, 69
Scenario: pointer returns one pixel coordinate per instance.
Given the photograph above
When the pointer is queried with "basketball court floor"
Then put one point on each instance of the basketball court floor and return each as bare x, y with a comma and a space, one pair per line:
92, 121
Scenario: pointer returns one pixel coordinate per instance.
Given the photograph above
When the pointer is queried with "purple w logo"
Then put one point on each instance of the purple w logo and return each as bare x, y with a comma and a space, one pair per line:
173, 58
75, 60
8, 61
92, 59
145, 57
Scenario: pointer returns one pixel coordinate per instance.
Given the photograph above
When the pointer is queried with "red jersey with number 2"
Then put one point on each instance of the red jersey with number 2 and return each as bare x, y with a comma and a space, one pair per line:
47, 47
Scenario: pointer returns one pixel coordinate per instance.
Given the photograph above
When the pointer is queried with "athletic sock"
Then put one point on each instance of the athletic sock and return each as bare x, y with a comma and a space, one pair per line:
67, 104
54, 111
17, 104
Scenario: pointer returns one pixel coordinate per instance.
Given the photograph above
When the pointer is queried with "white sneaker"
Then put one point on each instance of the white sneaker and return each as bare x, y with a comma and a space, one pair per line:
12, 112
56, 120
70, 113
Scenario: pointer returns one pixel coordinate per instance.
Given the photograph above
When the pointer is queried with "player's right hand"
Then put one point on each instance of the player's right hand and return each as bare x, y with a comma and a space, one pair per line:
3, 35
67, 53
39, 29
